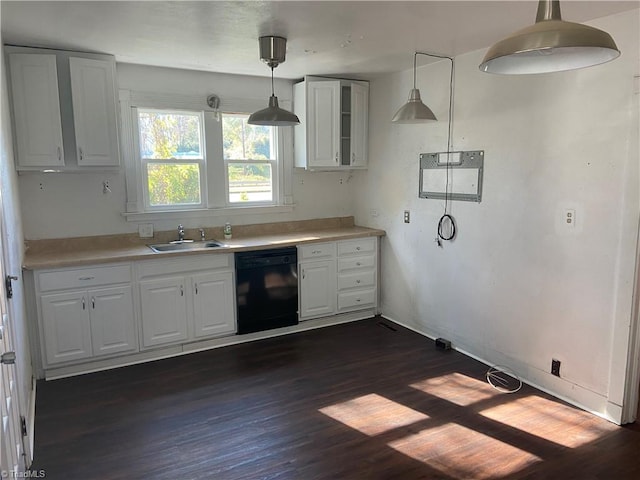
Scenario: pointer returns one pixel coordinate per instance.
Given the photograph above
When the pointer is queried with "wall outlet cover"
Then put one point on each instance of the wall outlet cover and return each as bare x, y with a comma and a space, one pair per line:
145, 230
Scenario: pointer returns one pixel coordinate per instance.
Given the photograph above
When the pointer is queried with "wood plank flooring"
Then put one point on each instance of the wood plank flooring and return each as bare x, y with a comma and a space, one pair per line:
365, 400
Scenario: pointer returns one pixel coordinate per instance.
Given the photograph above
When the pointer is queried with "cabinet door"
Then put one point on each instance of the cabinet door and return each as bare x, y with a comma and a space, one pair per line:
66, 327
323, 129
36, 107
112, 323
317, 289
213, 304
164, 311
359, 124
94, 111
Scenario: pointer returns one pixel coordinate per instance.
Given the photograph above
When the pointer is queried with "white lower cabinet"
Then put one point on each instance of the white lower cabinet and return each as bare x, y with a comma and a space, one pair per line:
357, 274
317, 278
186, 299
164, 311
337, 277
82, 323
213, 304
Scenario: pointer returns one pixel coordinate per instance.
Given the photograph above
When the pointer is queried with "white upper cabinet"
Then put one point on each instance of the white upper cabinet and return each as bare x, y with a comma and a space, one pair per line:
94, 111
64, 109
334, 116
36, 106
323, 131
359, 124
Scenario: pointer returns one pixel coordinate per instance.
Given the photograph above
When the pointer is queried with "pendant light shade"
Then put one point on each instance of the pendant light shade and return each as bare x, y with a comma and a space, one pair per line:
550, 45
272, 52
414, 111
273, 115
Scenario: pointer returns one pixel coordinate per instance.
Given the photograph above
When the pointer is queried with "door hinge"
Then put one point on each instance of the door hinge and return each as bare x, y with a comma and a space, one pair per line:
23, 426
8, 285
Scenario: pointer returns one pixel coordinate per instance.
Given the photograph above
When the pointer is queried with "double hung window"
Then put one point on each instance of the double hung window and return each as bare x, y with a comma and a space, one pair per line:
185, 159
173, 159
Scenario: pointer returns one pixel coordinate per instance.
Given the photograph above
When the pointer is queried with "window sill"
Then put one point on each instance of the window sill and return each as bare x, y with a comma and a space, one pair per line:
206, 213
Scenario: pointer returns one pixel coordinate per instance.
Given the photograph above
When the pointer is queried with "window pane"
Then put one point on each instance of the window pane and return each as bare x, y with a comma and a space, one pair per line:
173, 184
250, 182
242, 141
165, 135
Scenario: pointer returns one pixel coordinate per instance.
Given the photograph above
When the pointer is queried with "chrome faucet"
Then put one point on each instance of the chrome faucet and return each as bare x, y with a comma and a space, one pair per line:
180, 232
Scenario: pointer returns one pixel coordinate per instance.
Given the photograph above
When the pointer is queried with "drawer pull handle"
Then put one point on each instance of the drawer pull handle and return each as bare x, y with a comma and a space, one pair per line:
196, 288
358, 248
84, 306
181, 291
315, 252
357, 281
86, 278
358, 264
81, 154
93, 302
357, 299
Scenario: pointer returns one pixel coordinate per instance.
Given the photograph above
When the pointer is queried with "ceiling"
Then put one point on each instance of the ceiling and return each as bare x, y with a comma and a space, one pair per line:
349, 38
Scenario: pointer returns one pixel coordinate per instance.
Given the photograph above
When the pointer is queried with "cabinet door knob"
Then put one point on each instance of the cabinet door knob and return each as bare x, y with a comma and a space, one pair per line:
8, 358
80, 153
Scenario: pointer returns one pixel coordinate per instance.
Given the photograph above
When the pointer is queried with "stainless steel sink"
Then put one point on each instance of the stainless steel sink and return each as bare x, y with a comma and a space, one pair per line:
181, 245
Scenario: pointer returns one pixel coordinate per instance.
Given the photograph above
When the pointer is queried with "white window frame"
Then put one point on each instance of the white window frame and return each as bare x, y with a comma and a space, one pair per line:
216, 202
144, 162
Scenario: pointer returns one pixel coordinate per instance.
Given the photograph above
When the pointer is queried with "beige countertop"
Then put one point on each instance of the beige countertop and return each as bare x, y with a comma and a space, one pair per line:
56, 253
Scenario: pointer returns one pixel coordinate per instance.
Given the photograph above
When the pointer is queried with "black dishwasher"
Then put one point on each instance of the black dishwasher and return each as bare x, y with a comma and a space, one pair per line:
266, 289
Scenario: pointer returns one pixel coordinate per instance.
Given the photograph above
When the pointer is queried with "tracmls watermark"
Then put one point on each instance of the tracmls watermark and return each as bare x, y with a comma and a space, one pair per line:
25, 474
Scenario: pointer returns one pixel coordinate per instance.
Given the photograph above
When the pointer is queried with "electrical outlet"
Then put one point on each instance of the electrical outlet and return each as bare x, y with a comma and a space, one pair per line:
555, 367
570, 217
145, 230
407, 216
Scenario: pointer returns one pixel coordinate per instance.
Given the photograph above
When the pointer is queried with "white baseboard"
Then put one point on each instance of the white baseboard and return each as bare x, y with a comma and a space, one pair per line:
176, 350
560, 388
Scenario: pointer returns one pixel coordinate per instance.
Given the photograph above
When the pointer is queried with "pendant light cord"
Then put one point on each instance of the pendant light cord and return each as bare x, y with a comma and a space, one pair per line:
272, 89
446, 217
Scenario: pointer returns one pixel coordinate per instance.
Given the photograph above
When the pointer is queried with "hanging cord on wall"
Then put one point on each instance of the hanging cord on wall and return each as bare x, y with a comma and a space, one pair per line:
447, 225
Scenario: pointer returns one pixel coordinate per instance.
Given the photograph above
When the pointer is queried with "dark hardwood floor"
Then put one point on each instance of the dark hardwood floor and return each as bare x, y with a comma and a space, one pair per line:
365, 400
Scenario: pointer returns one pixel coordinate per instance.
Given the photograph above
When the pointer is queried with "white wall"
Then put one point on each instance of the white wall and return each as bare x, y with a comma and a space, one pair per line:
517, 287
66, 205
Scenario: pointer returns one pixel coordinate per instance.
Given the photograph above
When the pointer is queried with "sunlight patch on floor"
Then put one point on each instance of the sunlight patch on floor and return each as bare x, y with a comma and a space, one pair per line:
457, 388
550, 420
463, 453
373, 414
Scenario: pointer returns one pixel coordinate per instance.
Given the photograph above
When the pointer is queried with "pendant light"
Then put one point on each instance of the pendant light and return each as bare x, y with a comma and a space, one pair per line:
272, 52
414, 111
550, 45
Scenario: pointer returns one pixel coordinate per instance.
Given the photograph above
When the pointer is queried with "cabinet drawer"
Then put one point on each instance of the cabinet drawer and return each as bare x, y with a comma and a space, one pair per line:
356, 299
316, 250
356, 280
188, 264
361, 245
351, 263
83, 277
